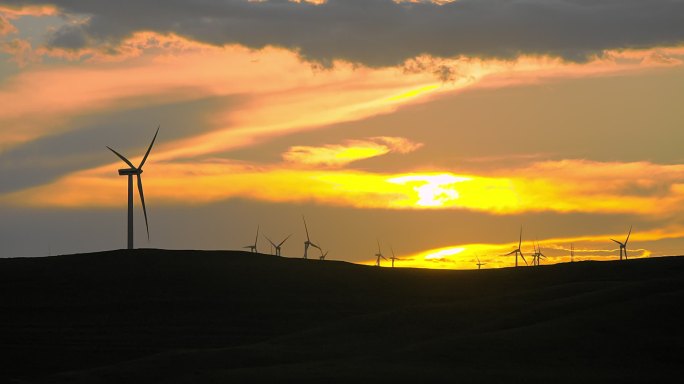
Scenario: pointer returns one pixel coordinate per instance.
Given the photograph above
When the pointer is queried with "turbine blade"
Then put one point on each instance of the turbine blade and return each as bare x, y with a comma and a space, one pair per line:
510, 253
379, 251
520, 241
256, 239
306, 229
628, 234
523, 257
269, 240
314, 245
122, 158
617, 241
283, 242
142, 200
149, 149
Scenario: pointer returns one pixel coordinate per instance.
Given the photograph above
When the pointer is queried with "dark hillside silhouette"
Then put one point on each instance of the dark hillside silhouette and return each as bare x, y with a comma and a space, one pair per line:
192, 316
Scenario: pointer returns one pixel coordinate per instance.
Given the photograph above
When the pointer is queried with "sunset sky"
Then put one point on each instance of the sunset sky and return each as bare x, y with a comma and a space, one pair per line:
435, 127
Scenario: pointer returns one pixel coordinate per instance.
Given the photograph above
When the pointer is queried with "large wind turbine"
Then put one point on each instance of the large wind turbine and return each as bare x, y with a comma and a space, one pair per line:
623, 246
253, 247
479, 263
277, 247
308, 242
517, 251
379, 255
130, 172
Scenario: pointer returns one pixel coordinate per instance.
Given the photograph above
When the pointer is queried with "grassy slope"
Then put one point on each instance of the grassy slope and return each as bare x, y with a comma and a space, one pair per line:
191, 316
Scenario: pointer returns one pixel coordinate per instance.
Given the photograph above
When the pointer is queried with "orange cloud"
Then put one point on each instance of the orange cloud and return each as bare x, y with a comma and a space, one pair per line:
285, 94
30, 10
338, 155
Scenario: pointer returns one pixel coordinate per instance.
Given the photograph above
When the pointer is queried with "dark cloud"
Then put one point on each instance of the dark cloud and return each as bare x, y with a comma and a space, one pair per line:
381, 32
69, 37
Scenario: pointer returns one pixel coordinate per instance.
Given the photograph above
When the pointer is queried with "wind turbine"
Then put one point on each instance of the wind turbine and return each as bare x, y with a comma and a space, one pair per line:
539, 255
517, 251
308, 242
379, 255
253, 248
572, 252
393, 256
323, 255
130, 172
623, 246
277, 247
479, 263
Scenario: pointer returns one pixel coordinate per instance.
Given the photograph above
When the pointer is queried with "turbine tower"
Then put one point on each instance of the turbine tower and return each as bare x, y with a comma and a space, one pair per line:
379, 255
479, 263
308, 242
517, 251
130, 172
277, 246
253, 248
623, 246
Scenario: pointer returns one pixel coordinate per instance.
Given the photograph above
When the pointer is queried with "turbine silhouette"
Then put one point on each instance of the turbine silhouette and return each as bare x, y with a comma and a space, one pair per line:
253, 248
277, 246
308, 242
537, 255
572, 253
393, 256
323, 255
130, 172
379, 255
623, 246
517, 251
479, 263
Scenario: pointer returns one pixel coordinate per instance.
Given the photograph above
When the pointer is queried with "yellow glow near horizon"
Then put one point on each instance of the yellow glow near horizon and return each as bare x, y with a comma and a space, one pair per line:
556, 250
444, 252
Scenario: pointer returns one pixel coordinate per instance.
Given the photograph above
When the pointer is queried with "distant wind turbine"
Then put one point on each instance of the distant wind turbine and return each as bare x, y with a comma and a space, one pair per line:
393, 256
538, 255
379, 255
623, 246
517, 251
323, 255
253, 247
308, 242
479, 263
130, 172
572, 252
277, 246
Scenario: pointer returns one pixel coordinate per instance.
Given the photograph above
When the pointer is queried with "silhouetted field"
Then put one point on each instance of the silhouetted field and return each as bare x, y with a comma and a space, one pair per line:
197, 317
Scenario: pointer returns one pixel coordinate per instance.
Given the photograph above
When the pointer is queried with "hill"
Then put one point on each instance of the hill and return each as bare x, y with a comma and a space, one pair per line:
201, 316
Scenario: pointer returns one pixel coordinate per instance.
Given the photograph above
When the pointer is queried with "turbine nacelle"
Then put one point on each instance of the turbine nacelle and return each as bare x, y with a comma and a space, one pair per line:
130, 172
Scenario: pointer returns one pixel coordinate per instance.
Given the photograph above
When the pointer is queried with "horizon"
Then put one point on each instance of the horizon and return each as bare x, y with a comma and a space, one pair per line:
436, 128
